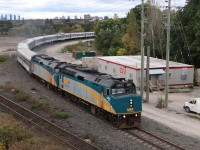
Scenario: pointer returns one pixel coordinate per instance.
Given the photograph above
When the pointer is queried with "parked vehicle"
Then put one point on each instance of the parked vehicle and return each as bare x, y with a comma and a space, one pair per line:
193, 105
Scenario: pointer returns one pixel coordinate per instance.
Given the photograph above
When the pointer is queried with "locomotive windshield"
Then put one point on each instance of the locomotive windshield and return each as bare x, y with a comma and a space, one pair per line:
118, 91
123, 88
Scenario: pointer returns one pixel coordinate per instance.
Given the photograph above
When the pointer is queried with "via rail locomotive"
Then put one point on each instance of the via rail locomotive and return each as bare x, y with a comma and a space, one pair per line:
114, 98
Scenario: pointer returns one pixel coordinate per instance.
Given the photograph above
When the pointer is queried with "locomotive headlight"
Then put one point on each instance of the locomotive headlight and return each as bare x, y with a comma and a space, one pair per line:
135, 115
124, 116
131, 102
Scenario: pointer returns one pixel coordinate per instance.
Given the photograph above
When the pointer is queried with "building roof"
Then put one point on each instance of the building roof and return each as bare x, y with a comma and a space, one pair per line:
134, 62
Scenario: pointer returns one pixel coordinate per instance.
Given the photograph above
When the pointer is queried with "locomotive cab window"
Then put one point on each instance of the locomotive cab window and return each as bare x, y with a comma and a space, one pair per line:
118, 91
106, 91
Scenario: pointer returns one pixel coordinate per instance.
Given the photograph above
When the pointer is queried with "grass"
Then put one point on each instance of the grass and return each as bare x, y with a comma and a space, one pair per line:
176, 135
33, 89
22, 96
35, 104
178, 113
39, 105
61, 115
186, 88
80, 46
11, 49
160, 103
182, 89
8, 87
10, 133
193, 143
3, 58
17, 137
162, 131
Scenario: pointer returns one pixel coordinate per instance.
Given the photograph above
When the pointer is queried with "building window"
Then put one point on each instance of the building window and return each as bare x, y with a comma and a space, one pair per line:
170, 75
184, 73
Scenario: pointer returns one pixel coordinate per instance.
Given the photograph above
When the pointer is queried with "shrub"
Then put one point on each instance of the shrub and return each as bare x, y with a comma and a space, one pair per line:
160, 103
68, 48
8, 87
80, 46
33, 89
2, 58
22, 96
39, 105
61, 115
11, 134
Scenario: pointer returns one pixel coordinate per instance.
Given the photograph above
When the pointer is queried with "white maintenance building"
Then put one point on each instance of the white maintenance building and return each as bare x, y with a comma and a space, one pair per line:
129, 67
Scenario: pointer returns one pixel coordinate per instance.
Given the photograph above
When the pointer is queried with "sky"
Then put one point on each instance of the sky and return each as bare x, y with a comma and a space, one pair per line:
42, 9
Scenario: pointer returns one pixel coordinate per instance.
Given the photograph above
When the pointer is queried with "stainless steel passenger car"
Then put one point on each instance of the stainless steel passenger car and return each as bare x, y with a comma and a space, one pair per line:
24, 53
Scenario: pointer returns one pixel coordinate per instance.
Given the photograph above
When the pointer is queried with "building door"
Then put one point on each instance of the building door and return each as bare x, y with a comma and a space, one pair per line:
153, 79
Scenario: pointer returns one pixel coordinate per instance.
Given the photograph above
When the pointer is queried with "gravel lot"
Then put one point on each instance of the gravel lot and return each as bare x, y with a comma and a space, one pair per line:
82, 124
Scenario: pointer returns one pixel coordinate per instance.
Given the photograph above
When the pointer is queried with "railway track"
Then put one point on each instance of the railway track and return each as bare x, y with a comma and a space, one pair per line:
153, 140
67, 138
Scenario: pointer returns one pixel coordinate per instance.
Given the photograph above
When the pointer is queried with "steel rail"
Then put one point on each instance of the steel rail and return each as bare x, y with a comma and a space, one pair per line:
71, 140
155, 141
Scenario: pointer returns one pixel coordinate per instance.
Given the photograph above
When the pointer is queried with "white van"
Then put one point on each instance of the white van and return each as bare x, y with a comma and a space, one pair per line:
193, 105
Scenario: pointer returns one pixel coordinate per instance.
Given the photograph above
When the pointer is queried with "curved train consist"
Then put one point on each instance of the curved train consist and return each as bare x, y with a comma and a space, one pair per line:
114, 98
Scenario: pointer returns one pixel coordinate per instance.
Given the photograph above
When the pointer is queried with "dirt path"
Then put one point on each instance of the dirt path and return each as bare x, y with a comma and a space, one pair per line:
8, 45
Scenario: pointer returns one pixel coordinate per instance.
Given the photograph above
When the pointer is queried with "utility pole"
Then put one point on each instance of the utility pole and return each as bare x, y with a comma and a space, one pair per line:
147, 74
167, 55
142, 50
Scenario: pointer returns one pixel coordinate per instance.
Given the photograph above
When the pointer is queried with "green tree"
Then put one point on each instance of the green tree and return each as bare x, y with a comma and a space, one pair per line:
155, 32
121, 51
186, 34
109, 36
5, 26
131, 37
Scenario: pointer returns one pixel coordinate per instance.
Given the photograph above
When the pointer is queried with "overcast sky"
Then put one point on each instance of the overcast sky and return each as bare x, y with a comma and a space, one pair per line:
52, 8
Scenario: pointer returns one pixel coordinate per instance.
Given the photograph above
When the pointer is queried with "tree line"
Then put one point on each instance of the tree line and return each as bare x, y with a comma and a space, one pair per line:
31, 28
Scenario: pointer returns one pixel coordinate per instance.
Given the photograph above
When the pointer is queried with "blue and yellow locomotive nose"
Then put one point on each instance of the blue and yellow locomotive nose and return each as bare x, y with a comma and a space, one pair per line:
127, 104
